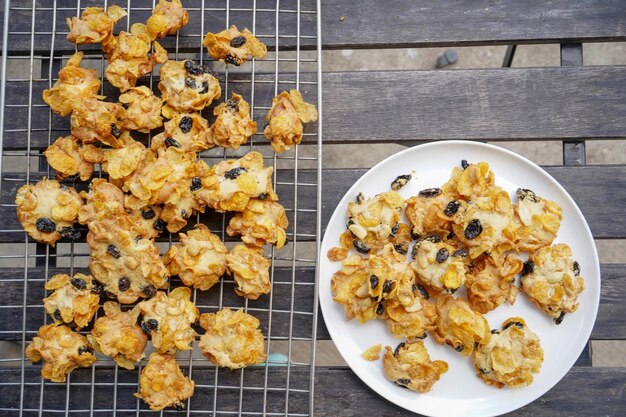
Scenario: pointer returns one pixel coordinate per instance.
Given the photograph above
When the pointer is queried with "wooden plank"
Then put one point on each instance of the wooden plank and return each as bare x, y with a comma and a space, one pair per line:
338, 392
373, 24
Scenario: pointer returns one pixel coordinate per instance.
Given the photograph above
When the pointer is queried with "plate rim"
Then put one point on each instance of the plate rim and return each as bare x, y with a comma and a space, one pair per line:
508, 153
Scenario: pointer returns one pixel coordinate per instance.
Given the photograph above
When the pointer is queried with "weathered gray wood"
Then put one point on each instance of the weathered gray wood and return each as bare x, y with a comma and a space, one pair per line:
338, 392
374, 24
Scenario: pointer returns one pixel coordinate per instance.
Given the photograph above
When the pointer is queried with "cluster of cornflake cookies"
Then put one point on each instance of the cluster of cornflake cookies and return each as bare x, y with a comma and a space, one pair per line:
468, 233
151, 190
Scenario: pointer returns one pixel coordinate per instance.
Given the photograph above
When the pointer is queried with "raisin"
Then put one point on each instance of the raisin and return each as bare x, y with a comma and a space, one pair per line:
388, 286
115, 131
464, 163
461, 253
70, 233
422, 290
495, 331
513, 323
484, 371
400, 182
360, 246
414, 250
45, 225
232, 60
233, 105
262, 196
576, 268
84, 349
394, 229
559, 319
197, 328
234, 173
196, 184
422, 336
403, 381
458, 348
360, 198
380, 309
78, 283
430, 192
149, 290
190, 82
194, 68
414, 234
114, 251
442, 255
149, 326
237, 41
401, 248
453, 290
185, 124
529, 266
373, 281
433, 238
205, 87
170, 141
57, 315
473, 229
524, 193
148, 214
123, 284
397, 349
159, 225
452, 208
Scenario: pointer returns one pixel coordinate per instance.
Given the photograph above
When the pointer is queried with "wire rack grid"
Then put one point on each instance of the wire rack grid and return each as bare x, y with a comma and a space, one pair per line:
33, 50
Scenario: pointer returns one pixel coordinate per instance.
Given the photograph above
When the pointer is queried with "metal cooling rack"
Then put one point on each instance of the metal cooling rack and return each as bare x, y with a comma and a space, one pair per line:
33, 50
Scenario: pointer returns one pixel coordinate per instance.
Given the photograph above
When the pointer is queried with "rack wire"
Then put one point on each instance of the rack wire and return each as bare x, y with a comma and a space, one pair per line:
33, 50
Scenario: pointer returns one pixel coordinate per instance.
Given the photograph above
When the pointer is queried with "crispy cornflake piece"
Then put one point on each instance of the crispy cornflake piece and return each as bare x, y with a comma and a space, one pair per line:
458, 325
234, 47
470, 182
431, 214
187, 86
489, 285
167, 18
143, 111
62, 351
132, 57
551, 279
73, 300
409, 314
47, 210
168, 319
285, 120
336, 254
371, 222
410, 366
540, 221
119, 336
188, 132
127, 264
372, 353
69, 157
199, 259
162, 383
511, 357
486, 223
121, 163
73, 86
95, 26
96, 120
351, 287
232, 339
437, 268
262, 221
250, 270
231, 184
233, 125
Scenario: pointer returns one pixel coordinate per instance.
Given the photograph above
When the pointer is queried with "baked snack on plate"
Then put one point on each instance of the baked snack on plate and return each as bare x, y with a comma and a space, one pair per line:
539, 218
162, 383
431, 211
438, 265
234, 47
410, 366
489, 285
73, 301
458, 325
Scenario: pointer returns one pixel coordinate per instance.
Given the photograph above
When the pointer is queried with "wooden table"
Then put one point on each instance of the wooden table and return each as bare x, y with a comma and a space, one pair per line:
571, 103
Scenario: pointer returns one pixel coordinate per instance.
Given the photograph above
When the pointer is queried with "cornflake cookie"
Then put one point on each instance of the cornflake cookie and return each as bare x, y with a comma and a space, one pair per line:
438, 265
127, 264
458, 325
431, 211
73, 300
489, 284
70, 158
250, 270
511, 357
372, 353
143, 109
95, 26
234, 47
233, 125
372, 221
469, 181
232, 339
167, 18
121, 163
47, 211
551, 279
199, 259
132, 56
262, 221
350, 286
540, 220
119, 336
229, 185
95, 120
168, 320
187, 86
409, 366
73, 86
61, 350
188, 132
285, 120
162, 383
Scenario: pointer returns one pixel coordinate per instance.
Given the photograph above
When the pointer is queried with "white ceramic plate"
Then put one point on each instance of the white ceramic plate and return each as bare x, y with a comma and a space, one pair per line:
460, 392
